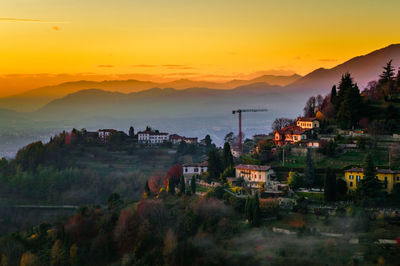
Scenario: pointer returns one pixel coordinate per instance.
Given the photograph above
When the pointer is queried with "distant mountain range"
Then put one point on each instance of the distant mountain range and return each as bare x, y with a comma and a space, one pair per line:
192, 108
34, 99
363, 69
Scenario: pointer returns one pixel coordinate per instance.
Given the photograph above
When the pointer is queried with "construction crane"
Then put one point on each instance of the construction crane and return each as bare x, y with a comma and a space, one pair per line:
240, 111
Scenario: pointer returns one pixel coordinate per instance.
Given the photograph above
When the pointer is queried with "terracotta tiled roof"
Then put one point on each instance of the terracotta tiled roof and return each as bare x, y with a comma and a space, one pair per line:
202, 164
307, 119
292, 130
253, 167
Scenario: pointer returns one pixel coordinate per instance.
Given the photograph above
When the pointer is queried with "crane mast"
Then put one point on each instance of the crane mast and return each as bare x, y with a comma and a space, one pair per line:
240, 111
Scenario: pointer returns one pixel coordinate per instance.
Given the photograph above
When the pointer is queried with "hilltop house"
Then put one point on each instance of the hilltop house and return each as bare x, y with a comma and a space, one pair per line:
104, 134
289, 135
176, 139
254, 176
152, 137
389, 178
307, 122
191, 169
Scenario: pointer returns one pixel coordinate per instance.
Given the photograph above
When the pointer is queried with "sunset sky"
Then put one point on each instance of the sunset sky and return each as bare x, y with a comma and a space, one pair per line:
205, 39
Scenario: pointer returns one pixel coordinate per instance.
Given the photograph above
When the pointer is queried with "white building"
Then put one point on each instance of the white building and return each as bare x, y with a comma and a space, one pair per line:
254, 175
152, 137
191, 169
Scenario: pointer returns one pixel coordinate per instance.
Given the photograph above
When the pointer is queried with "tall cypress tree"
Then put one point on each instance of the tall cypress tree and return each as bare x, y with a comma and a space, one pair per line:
147, 189
256, 211
333, 95
171, 186
182, 185
214, 164
309, 170
227, 158
248, 209
193, 185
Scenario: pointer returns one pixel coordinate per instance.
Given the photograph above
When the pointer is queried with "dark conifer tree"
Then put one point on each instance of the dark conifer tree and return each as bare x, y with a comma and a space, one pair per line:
214, 164
227, 158
256, 211
147, 189
333, 95
182, 185
171, 186
387, 74
193, 185
131, 132
370, 186
309, 170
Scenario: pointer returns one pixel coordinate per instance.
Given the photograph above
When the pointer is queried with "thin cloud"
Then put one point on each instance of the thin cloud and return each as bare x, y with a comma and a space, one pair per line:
143, 65
328, 60
29, 20
171, 66
106, 66
182, 74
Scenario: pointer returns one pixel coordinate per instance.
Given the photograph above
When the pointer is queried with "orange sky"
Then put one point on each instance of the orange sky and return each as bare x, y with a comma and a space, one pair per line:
205, 39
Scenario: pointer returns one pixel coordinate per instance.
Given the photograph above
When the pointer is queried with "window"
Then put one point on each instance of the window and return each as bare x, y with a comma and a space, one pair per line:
358, 178
351, 177
186, 169
398, 178
351, 184
386, 182
196, 169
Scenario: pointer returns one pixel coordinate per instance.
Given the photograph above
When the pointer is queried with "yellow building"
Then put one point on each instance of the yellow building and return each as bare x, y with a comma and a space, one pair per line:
388, 178
307, 122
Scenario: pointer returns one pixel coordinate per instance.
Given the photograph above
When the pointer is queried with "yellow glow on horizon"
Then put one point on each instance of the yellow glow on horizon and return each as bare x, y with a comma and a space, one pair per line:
197, 39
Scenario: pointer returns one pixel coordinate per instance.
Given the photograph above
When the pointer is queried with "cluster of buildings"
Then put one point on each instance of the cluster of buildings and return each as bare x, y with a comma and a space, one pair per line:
299, 132
148, 136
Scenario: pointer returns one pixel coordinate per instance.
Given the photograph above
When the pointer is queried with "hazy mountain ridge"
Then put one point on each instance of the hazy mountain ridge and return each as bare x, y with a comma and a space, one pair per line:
363, 69
34, 99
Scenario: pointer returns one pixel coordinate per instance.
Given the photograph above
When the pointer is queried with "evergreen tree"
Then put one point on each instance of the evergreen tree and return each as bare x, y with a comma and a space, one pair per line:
398, 79
351, 108
387, 74
182, 185
248, 209
370, 186
345, 83
131, 132
330, 186
147, 189
227, 158
309, 170
193, 185
333, 95
207, 141
171, 186
214, 164
256, 211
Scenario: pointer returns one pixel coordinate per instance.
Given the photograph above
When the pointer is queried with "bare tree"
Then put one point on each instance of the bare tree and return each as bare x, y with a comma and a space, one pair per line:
309, 109
282, 122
